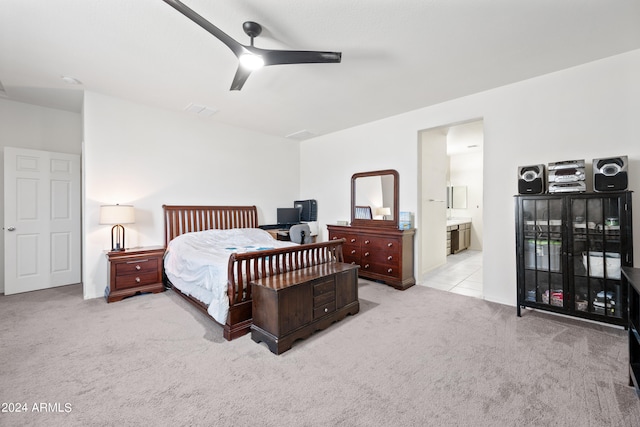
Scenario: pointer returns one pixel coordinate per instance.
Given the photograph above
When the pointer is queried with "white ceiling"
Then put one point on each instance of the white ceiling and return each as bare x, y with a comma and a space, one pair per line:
396, 55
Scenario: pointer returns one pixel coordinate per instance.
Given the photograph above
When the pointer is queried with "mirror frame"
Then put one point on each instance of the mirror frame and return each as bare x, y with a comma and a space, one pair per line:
387, 223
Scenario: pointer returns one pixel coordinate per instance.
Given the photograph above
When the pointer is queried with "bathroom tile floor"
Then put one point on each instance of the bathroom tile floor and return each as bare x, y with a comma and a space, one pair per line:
461, 274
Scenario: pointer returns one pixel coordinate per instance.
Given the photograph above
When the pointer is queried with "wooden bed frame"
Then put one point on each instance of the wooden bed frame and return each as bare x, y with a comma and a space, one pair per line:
244, 267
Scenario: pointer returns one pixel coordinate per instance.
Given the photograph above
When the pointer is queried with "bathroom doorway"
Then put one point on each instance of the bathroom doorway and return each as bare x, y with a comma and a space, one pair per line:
451, 170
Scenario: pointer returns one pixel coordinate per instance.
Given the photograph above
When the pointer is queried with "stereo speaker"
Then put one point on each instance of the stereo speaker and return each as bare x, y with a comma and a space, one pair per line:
610, 174
531, 179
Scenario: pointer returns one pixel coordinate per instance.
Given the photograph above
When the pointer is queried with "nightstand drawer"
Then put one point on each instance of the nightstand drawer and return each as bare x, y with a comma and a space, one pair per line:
132, 280
140, 266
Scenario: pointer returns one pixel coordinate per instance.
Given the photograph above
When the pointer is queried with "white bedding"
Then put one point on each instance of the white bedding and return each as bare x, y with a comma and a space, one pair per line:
196, 263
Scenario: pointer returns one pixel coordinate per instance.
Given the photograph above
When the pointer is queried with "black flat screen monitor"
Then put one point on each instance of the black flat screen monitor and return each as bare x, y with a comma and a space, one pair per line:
288, 215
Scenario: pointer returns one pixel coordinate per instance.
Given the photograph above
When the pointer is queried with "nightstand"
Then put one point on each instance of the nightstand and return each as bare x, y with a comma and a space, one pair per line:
134, 271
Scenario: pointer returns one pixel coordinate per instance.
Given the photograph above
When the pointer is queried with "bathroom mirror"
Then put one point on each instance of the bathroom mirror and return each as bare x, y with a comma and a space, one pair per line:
374, 199
457, 197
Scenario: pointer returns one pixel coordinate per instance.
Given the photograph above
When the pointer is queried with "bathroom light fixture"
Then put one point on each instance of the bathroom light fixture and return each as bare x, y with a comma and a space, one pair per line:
118, 215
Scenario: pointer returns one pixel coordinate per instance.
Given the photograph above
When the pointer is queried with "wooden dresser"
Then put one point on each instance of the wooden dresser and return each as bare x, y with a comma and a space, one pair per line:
291, 306
384, 254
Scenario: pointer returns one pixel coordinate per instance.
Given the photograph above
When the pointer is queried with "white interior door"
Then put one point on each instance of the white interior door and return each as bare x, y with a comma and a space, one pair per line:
433, 189
42, 219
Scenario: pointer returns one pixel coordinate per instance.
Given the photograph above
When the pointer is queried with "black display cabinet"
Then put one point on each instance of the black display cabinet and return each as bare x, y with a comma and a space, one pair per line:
632, 277
570, 250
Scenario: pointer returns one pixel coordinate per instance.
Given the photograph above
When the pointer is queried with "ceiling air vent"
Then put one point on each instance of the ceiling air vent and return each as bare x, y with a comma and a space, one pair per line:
301, 135
200, 110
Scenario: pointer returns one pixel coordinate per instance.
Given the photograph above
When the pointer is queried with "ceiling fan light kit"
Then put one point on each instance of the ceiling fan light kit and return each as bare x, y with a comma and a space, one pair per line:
250, 57
250, 61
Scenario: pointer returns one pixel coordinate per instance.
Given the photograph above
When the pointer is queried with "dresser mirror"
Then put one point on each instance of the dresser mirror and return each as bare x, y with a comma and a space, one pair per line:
374, 199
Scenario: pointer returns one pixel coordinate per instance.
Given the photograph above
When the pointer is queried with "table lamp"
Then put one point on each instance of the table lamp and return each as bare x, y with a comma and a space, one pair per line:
383, 212
118, 215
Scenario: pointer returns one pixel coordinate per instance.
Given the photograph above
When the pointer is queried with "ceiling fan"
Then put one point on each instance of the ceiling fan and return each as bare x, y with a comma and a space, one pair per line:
250, 57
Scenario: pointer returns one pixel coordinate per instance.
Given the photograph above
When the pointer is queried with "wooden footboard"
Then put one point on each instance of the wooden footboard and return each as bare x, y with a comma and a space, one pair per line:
248, 266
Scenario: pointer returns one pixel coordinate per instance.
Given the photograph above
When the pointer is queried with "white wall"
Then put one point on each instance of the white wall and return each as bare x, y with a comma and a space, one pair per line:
148, 157
36, 128
586, 112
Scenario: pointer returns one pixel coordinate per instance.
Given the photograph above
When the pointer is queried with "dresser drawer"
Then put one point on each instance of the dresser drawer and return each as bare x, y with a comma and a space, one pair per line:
385, 256
378, 243
385, 270
143, 265
351, 251
350, 239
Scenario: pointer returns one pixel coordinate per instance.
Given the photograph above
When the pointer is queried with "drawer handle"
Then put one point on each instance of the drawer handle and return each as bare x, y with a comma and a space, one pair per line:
353, 252
390, 257
335, 238
137, 280
366, 254
138, 267
366, 266
326, 310
366, 242
353, 263
353, 240
390, 270
389, 244
139, 261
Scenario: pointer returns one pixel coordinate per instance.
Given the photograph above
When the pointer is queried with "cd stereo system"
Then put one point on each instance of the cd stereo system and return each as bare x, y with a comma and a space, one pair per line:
609, 174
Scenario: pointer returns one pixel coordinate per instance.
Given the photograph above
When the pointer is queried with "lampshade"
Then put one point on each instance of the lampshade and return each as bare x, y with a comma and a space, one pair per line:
117, 214
383, 211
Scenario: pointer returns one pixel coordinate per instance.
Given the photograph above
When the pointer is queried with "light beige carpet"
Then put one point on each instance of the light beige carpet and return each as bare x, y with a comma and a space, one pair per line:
420, 357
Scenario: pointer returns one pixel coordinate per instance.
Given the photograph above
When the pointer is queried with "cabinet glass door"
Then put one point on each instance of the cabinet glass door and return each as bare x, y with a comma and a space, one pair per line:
596, 254
543, 278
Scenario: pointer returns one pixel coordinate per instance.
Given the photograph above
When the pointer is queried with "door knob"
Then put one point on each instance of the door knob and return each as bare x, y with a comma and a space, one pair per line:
11, 228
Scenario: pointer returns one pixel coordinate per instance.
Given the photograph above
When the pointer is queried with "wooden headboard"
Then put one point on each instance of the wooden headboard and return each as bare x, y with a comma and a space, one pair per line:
184, 219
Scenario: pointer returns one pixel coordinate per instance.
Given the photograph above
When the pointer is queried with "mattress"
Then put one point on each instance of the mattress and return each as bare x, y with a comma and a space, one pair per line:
196, 263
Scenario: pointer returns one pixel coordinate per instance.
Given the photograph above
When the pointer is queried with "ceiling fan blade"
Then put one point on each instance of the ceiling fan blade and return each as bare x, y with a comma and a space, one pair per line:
276, 57
236, 47
242, 74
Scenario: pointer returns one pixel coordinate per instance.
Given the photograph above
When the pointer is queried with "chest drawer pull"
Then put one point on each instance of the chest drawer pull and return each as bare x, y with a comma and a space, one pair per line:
390, 257
353, 240
137, 280
366, 242
335, 238
366, 254
353, 251
390, 270
326, 310
389, 244
366, 266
